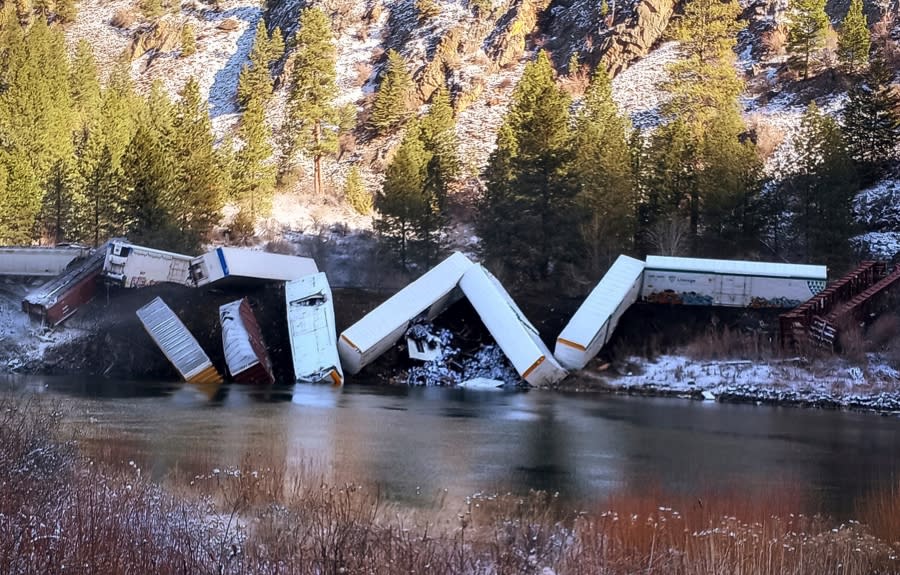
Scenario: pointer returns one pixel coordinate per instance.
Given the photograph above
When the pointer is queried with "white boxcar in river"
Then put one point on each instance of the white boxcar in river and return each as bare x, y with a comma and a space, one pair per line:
594, 322
245, 353
693, 281
222, 263
512, 331
133, 266
311, 327
427, 297
177, 343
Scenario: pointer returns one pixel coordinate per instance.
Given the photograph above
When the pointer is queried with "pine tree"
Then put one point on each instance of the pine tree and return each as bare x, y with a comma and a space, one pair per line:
255, 79
103, 216
147, 181
854, 40
253, 179
61, 201
806, 33
198, 196
699, 167
824, 189
20, 198
120, 108
313, 120
437, 131
66, 11
525, 218
392, 106
356, 194
602, 171
188, 41
872, 121
402, 202
84, 84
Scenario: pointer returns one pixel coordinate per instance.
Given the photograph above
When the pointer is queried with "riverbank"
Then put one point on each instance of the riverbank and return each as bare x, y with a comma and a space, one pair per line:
60, 511
828, 383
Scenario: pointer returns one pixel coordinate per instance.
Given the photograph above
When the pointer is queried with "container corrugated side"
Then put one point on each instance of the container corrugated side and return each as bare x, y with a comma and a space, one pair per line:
594, 321
377, 331
177, 343
311, 328
512, 331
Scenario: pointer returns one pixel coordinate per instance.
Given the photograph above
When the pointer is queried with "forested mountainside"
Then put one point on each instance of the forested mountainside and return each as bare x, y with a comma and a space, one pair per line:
547, 136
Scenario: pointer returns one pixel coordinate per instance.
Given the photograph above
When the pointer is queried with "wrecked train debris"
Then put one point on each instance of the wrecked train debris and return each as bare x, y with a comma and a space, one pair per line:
380, 329
241, 264
177, 343
245, 352
311, 328
132, 266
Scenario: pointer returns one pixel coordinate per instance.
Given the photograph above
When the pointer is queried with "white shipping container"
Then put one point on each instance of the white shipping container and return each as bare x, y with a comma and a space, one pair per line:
39, 261
222, 263
512, 331
133, 266
379, 330
311, 327
177, 343
732, 283
596, 319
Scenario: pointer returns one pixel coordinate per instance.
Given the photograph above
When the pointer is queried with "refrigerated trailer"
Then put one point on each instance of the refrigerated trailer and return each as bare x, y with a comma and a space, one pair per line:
245, 352
516, 336
597, 317
177, 343
242, 264
39, 261
133, 266
311, 330
425, 298
733, 283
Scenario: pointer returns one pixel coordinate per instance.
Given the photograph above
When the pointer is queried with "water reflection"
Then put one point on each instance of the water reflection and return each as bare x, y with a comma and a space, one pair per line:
414, 443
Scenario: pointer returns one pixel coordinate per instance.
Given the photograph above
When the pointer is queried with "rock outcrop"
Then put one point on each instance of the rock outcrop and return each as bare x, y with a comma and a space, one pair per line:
164, 35
634, 37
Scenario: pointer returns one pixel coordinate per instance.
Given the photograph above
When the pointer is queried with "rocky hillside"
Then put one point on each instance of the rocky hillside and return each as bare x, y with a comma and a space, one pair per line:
478, 48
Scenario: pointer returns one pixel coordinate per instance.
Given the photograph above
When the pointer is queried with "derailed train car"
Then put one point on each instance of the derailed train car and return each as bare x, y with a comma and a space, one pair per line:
597, 317
132, 266
732, 283
177, 343
245, 352
312, 332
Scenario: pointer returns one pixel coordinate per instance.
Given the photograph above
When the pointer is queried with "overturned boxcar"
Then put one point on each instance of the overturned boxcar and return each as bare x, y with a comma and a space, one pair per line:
245, 352
311, 328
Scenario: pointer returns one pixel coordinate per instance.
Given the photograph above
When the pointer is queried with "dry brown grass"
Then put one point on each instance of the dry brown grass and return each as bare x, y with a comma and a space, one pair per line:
61, 513
727, 343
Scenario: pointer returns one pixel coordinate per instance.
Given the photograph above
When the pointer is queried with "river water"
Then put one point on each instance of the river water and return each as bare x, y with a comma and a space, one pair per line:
414, 443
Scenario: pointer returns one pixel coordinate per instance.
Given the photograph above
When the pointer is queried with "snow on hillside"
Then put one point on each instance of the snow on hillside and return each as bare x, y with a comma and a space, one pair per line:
356, 48
92, 23
221, 53
477, 124
877, 209
638, 91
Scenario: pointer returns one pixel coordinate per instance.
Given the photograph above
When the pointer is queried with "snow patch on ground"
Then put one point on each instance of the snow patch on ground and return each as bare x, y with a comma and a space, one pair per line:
827, 383
877, 209
355, 49
92, 24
